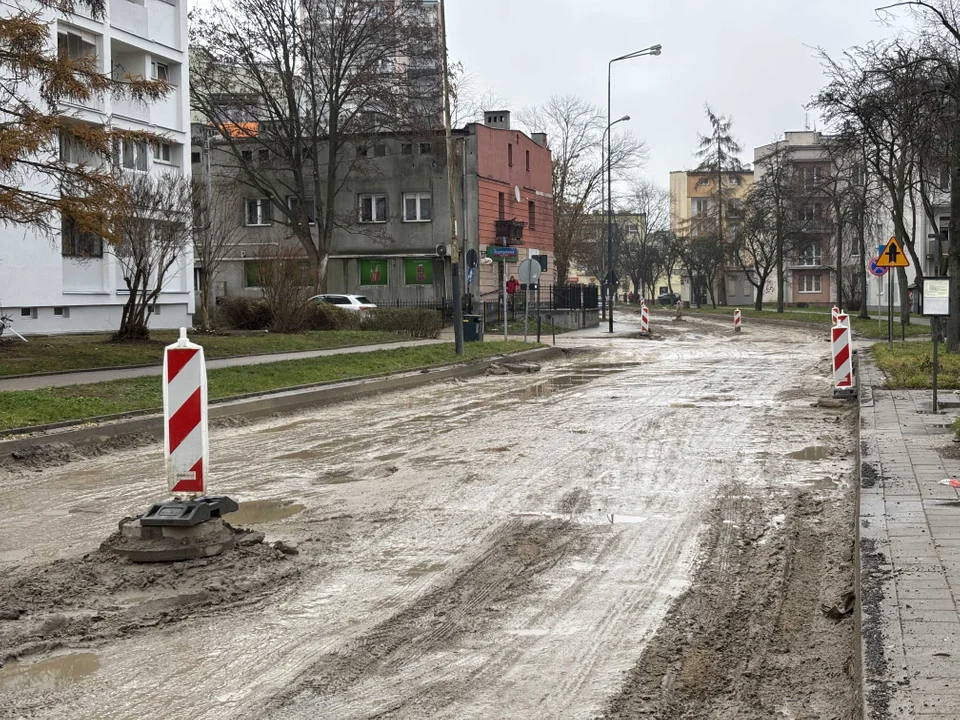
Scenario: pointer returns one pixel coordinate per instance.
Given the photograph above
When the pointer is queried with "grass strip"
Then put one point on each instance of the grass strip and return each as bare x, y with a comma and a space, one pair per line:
60, 353
22, 408
866, 328
910, 365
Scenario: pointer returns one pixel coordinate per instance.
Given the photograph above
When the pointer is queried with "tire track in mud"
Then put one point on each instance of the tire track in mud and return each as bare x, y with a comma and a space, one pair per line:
470, 603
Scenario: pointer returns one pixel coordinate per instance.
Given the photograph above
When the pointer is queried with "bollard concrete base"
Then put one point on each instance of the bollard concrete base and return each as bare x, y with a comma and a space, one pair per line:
143, 544
850, 392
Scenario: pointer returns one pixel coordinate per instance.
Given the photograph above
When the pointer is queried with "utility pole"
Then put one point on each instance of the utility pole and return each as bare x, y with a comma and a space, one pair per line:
454, 242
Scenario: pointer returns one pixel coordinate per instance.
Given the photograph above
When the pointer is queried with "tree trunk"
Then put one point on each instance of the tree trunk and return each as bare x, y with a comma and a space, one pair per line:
780, 279
862, 244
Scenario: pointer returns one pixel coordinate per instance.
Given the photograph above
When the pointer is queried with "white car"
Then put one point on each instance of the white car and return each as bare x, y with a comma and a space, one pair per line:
345, 302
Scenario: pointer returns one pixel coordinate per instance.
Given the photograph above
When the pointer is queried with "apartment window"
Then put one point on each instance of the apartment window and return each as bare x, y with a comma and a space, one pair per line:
532, 214
246, 155
160, 71
510, 154
810, 177
76, 46
251, 274
528, 161
944, 179
161, 152
194, 158
61, 312
258, 211
380, 151
153, 309
362, 151
72, 150
857, 175
810, 212
734, 208
133, 155
699, 206
293, 203
501, 207
426, 148
406, 148
808, 283
812, 254
78, 244
263, 156
734, 179
29, 313
373, 208
416, 207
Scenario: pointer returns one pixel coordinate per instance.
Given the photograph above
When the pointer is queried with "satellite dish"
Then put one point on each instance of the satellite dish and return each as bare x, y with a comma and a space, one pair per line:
516, 192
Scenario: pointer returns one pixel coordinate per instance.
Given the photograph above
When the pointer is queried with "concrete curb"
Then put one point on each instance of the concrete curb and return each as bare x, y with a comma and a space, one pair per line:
94, 432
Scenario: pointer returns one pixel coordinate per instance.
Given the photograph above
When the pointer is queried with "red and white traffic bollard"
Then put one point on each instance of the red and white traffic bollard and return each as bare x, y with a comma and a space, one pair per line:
736, 320
834, 313
842, 359
185, 437
645, 320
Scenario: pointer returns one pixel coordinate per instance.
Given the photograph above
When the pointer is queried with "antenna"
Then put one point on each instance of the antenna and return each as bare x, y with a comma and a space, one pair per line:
806, 121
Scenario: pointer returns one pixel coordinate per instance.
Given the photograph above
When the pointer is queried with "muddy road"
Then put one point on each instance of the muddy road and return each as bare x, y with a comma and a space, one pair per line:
642, 529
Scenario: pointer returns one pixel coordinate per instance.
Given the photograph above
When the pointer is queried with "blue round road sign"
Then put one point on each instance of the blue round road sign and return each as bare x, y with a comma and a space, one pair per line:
878, 271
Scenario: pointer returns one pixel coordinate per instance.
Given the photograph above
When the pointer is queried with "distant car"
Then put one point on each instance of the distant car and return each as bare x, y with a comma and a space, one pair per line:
668, 298
354, 303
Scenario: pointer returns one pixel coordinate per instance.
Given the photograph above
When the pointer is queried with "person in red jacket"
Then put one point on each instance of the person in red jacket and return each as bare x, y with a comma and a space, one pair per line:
512, 285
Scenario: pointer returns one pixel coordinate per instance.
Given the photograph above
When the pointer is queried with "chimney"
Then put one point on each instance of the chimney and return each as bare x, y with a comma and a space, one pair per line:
540, 138
499, 119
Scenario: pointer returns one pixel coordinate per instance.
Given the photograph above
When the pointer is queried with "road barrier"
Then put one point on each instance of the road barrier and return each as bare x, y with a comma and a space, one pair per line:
834, 312
645, 320
185, 433
842, 358
736, 320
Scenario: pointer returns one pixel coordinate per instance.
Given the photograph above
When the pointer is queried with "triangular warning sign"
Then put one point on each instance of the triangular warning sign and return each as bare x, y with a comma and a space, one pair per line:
893, 256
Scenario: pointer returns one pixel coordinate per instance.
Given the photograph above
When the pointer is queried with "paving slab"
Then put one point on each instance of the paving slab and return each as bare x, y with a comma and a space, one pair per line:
909, 551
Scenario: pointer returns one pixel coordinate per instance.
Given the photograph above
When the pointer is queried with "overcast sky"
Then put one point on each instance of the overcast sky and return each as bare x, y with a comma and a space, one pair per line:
752, 59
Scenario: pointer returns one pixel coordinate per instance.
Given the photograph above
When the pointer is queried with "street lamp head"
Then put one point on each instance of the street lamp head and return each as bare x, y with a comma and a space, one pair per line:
625, 118
656, 49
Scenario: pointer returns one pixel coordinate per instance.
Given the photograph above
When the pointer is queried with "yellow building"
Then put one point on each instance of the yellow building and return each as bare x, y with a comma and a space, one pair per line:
694, 205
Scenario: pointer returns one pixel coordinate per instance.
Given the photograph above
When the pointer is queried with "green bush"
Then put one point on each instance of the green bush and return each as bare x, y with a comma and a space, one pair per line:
242, 313
326, 316
415, 322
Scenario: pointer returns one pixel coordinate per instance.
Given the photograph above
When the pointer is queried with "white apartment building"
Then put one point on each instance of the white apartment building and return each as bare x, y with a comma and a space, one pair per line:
62, 282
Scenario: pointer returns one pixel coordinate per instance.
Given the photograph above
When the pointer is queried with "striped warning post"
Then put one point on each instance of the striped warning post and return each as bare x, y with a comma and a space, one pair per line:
834, 312
736, 320
842, 361
842, 319
185, 440
644, 319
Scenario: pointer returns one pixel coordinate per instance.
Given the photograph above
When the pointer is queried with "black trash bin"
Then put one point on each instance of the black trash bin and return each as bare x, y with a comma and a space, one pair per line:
472, 328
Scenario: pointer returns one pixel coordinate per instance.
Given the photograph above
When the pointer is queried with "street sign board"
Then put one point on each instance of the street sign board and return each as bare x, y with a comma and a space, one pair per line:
936, 296
876, 269
893, 256
502, 253
613, 279
529, 271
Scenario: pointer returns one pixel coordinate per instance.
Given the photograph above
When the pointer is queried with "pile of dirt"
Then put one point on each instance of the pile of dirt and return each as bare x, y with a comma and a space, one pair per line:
81, 601
766, 630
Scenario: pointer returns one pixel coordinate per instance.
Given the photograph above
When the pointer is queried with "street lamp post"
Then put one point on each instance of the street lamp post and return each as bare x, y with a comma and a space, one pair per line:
603, 201
652, 50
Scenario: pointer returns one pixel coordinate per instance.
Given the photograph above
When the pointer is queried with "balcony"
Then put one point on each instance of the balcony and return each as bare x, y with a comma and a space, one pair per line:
816, 226
131, 109
129, 16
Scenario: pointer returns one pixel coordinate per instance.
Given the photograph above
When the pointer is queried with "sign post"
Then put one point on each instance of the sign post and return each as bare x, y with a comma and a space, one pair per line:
936, 304
892, 256
529, 275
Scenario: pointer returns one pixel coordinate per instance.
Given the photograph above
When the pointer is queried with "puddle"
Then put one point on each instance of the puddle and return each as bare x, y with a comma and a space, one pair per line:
390, 456
682, 405
338, 479
812, 453
424, 568
261, 511
14, 555
313, 454
49, 674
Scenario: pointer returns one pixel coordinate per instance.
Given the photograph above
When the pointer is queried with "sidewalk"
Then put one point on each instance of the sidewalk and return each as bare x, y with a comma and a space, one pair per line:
909, 545
95, 376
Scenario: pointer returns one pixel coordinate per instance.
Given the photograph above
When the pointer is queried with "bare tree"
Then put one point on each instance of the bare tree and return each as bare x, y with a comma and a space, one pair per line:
289, 86
214, 239
154, 231
640, 237
575, 130
284, 276
756, 239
